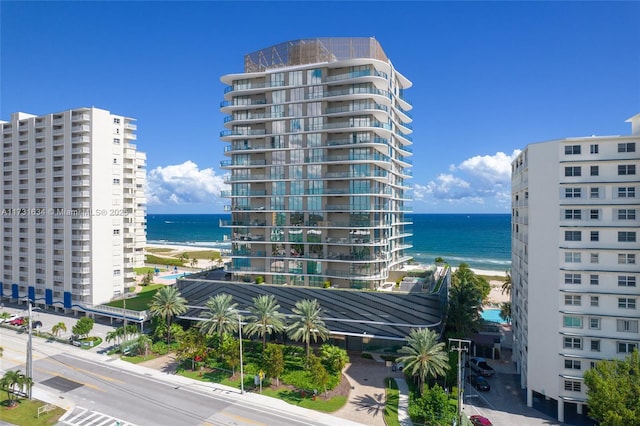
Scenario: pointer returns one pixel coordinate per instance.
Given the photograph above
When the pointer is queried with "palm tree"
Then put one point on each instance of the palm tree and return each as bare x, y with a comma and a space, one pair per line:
505, 312
309, 324
59, 328
265, 318
506, 285
465, 304
221, 315
10, 382
144, 343
167, 303
424, 356
113, 335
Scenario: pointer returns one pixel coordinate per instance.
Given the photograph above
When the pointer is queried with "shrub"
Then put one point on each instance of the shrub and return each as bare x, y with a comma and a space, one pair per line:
259, 279
367, 355
326, 284
160, 348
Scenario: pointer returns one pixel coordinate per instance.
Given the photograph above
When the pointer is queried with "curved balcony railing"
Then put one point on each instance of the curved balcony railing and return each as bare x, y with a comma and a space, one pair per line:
356, 107
337, 158
244, 102
350, 91
228, 163
355, 74
256, 116
250, 86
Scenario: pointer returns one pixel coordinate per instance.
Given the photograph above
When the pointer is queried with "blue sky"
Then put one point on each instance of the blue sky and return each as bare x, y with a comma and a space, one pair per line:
488, 79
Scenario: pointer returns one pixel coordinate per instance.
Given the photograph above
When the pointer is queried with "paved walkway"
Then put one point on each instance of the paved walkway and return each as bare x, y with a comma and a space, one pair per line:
367, 398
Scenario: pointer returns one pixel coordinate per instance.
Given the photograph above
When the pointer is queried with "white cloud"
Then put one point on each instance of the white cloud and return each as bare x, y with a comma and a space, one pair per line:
183, 184
479, 180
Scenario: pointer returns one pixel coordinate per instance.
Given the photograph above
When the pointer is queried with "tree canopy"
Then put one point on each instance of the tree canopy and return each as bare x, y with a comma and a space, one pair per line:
167, 303
613, 393
83, 327
424, 356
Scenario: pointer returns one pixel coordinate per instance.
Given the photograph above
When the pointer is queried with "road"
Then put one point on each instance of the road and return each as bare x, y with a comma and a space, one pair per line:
102, 390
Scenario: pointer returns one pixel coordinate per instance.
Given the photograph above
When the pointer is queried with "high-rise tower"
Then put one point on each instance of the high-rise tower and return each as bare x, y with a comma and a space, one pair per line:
318, 140
73, 207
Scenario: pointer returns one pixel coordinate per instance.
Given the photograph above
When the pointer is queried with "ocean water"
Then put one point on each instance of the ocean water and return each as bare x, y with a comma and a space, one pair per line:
481, 240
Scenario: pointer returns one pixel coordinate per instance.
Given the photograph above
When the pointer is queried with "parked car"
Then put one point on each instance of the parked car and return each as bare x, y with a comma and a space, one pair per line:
18, 321
480, 366
479, 382
480, 421
400, 366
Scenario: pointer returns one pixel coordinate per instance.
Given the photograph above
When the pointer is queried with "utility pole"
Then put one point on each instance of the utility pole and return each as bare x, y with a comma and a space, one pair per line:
459, 348
29, 351
124, 318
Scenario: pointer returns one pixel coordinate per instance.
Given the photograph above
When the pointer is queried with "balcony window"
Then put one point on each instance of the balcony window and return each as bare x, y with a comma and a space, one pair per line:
626, 169
595, 171
626, 214
626, 347
573, 235
572, 300
626, 237
627, 326
572, 364
573, 171
627, 147
572, 149
572, 343
593, 148
626, 303
572, 385
572, 279
572, 322
595, 345
626, 192
626, 281
594, 323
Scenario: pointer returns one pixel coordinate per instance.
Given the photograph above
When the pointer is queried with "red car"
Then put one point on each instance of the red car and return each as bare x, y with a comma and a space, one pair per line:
480, 421
18, 321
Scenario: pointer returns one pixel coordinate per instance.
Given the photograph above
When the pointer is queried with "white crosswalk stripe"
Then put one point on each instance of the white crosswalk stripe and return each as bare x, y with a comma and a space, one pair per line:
83, 417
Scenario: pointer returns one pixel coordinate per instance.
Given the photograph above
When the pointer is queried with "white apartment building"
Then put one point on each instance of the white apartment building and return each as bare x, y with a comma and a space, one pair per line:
318, 139
575, 256
73, 208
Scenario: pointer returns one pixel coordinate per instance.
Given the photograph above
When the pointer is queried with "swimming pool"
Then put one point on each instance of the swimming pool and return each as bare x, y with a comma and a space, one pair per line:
174, 276
492, 315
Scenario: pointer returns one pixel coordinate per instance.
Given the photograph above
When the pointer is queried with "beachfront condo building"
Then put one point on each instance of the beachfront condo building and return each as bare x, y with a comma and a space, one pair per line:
575, 256
73, 208
318, 140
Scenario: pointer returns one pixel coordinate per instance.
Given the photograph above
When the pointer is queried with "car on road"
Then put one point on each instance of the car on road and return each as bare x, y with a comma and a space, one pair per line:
480, 366
18, 321
477, 420
479, 382
36, 324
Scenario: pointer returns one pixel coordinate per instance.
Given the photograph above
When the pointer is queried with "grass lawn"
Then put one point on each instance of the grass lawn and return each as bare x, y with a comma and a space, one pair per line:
141, 301
287, 395
26, 414
159, 249
391, 408
137, 359
204, 254
294, 397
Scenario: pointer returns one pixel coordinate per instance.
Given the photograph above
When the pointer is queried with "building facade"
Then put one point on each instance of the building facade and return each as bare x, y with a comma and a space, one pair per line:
575, 253
318, 145
73, 207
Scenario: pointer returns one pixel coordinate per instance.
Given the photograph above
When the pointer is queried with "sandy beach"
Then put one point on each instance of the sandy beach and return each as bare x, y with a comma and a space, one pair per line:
496, 277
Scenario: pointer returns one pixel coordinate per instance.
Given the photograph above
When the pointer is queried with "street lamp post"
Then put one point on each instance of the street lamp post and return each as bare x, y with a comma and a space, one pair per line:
241, 367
